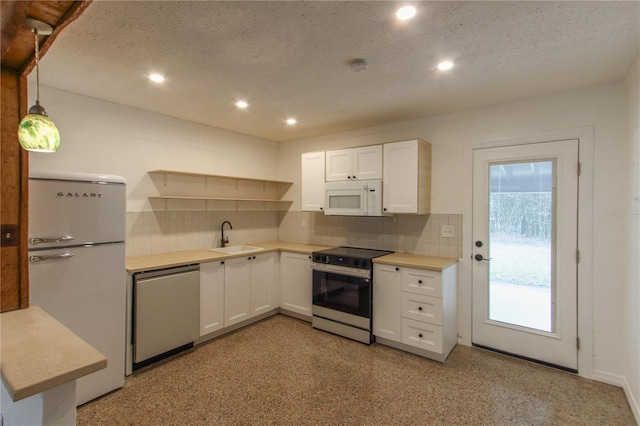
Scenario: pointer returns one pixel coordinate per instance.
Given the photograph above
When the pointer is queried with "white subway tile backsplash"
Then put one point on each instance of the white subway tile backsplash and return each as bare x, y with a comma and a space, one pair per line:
169, 231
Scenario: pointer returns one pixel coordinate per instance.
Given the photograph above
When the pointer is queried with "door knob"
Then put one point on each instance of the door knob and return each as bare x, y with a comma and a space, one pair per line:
479, 257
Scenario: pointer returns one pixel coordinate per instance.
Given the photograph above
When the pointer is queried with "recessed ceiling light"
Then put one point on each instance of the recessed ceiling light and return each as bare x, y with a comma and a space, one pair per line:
445, 65
291, 121
156, 78
406, 12
242, 104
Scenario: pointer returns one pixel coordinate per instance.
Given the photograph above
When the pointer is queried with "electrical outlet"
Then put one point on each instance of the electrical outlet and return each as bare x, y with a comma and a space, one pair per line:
8, 235
448, 231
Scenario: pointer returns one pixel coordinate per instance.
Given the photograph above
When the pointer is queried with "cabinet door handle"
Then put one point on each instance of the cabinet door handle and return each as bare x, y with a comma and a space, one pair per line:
397, 269
419, 308
420, 335
419, 281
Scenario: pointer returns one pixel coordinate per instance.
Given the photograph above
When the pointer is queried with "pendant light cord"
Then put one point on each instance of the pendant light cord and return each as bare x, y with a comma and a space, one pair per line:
35, 34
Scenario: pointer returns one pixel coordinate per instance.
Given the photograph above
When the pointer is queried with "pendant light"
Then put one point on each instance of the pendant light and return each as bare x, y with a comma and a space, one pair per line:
36, 131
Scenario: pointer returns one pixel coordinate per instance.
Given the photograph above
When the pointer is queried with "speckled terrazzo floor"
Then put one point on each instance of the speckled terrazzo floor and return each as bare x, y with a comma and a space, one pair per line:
282, 371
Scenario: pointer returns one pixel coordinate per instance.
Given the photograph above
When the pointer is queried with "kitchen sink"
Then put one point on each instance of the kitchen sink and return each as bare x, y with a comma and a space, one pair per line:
235, 249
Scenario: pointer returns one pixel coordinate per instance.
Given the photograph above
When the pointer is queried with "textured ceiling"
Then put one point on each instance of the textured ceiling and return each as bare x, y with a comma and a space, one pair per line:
289, 59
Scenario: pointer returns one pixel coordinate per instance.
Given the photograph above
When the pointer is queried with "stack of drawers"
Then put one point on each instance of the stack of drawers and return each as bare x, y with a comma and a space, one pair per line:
422, 309
415, 309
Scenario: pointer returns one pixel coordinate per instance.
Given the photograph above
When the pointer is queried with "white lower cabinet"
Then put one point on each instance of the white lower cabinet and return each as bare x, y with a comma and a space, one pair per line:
249, 287
416, 309
263, 283
387, 302
211, 297
237, 290
422, 335
422, 308
296, 282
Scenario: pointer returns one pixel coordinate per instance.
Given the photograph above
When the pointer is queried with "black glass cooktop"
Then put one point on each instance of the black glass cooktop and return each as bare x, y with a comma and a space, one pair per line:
348, 256
355, 252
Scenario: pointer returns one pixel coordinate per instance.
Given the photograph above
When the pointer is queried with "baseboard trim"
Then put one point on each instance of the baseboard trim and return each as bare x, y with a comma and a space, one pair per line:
609, 378
621, 382
633, 403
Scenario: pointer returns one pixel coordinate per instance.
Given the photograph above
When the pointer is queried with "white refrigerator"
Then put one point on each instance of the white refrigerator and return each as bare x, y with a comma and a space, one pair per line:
77, 264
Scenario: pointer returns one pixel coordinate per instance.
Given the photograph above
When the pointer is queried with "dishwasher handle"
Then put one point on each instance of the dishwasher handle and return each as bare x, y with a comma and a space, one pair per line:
167, 271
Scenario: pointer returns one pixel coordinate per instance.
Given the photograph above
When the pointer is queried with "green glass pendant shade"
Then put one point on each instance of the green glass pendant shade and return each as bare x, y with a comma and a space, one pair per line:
37, 132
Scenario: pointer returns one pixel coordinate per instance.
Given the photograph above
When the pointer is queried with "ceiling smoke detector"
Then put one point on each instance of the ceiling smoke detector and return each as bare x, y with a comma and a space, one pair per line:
358, 65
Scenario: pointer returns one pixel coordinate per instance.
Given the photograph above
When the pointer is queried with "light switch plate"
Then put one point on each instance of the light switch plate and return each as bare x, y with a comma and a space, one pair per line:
448, 231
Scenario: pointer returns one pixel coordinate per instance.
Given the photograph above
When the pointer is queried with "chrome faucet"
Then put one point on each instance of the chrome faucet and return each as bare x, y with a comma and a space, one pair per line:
224, 241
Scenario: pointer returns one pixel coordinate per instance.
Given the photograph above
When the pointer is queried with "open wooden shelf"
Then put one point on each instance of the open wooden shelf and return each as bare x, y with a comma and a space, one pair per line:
182, 197
204, 175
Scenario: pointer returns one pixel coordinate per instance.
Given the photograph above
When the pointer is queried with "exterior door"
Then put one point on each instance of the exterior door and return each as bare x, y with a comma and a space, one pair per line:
525, 207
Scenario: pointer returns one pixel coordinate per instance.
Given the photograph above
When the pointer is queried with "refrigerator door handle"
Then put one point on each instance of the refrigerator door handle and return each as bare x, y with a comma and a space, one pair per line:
51, 257
42, 240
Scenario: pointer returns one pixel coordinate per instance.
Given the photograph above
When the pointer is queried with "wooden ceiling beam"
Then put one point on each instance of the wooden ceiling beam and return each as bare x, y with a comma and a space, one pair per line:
72, 13
13, 15
17, 42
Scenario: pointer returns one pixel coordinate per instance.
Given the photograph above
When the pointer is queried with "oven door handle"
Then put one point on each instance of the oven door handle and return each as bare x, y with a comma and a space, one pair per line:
342, 270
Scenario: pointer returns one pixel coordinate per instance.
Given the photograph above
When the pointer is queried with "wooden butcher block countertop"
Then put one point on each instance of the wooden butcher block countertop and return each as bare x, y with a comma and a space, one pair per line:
168, 260
417, 261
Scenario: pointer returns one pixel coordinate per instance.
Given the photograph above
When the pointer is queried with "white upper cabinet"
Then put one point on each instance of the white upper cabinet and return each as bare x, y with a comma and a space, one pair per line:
312, 181
406, 186
363, 163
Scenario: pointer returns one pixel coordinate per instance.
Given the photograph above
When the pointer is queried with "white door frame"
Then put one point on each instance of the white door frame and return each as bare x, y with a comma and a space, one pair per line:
585, 238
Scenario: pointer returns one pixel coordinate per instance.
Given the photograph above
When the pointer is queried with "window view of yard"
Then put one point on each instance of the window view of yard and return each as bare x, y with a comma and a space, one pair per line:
520, 245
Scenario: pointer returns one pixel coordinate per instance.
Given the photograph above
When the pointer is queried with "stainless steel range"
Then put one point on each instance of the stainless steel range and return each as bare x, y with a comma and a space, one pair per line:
342, 291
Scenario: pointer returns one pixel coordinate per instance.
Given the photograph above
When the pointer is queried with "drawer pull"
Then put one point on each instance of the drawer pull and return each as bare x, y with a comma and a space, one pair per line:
419, 308
419, 281
397, 269
420, 335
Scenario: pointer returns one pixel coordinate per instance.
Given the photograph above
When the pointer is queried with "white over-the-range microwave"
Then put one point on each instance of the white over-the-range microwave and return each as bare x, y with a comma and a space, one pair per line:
353, 198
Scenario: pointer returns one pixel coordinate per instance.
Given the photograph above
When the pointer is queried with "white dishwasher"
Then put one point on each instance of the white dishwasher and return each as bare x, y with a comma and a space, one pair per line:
166, 313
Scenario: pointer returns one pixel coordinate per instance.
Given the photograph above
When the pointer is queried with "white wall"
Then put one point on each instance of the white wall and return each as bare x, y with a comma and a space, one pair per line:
604, 108
103, 137
632, 83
